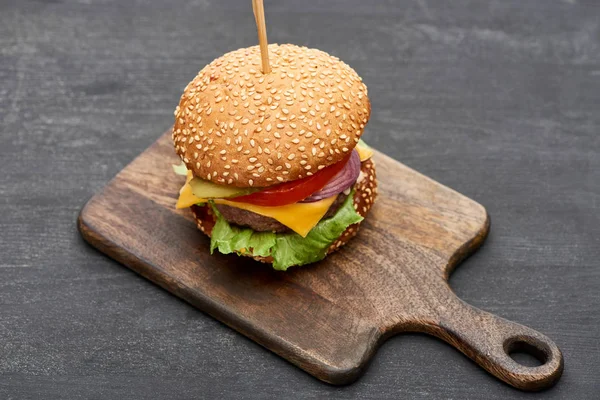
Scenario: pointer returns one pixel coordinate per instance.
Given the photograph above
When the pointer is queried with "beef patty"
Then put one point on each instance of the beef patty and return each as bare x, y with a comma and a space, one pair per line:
261, 223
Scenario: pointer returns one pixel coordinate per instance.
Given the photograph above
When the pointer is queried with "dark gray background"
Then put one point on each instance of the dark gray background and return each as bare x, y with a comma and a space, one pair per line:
499, 99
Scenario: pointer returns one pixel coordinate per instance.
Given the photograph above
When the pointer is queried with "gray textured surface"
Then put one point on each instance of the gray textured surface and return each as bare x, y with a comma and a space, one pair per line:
497, 99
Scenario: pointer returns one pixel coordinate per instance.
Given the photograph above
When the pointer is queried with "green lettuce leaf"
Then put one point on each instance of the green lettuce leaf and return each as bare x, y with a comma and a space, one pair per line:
232, 239
180, 169
293, 249
287, 249
364, 144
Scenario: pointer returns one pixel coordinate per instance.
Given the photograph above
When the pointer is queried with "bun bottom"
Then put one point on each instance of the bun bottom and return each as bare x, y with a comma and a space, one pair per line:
365, 192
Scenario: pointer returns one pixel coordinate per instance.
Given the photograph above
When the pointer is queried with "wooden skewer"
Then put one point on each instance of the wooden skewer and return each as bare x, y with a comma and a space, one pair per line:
261, 26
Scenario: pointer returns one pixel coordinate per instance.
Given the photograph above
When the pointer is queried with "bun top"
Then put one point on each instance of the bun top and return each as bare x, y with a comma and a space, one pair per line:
237, 126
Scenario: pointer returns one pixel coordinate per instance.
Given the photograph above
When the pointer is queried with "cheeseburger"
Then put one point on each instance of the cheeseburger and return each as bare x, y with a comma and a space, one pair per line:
276, 168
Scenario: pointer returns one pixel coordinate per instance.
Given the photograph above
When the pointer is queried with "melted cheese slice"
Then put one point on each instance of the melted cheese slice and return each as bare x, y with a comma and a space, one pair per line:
299, 217
364, 152
186, 197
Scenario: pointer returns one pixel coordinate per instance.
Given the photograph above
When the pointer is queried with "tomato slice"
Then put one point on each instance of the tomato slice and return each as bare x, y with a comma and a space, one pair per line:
293, 191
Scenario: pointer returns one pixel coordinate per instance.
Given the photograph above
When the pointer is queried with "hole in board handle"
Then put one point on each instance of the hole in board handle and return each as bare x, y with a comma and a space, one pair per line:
527, 351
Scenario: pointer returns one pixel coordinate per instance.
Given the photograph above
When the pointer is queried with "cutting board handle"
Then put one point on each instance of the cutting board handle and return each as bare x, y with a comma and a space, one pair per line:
488, 340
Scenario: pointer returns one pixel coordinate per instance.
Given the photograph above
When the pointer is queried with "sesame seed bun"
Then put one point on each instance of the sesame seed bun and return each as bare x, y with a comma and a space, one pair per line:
237, 126
365, 192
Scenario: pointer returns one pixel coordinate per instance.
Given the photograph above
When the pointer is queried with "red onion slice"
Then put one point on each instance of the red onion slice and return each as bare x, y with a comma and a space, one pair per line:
340, 182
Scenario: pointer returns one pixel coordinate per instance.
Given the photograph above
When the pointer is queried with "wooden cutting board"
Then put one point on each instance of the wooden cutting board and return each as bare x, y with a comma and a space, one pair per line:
328, 318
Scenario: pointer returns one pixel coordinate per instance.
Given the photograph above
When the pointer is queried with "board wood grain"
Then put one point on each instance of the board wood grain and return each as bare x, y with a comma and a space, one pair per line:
328, 318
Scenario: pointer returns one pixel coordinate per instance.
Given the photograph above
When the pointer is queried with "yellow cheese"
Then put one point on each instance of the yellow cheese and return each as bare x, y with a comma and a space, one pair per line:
299, 217
364, 152
186, 197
